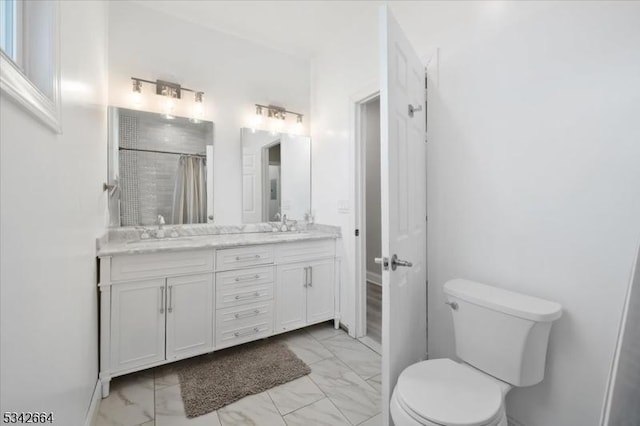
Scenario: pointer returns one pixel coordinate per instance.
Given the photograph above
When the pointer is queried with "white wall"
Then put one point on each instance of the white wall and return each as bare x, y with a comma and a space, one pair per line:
234, 73
52, 210
342, 71
532, 174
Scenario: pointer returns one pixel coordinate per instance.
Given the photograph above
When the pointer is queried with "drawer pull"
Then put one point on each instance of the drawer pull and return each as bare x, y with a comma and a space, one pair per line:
248, 296
247, 314
246, 333
248, 278
252, 256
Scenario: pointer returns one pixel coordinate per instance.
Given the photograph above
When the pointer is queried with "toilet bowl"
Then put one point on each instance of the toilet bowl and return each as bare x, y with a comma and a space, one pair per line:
442, 392
501, 337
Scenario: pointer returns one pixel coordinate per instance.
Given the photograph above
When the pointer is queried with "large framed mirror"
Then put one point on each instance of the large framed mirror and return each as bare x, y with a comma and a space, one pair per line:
159, 169
276, 176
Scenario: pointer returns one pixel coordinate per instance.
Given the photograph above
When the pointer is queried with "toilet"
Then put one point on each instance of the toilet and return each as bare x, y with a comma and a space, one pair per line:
501, 339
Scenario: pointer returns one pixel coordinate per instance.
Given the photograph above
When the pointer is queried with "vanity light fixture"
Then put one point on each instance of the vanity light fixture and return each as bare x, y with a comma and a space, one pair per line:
171, 92
278, 116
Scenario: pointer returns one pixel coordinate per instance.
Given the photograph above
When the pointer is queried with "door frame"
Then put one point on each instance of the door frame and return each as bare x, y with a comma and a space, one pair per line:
266, 183
357, 107
357, 102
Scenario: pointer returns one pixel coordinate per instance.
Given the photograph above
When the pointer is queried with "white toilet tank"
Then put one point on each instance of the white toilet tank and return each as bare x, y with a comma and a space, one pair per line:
500, 332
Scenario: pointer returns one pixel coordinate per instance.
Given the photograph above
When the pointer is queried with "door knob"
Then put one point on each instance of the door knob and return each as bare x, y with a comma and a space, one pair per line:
395, 262
384, 261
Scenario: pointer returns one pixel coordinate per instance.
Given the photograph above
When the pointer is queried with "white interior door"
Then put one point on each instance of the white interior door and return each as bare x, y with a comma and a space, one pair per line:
251, 184
403, 200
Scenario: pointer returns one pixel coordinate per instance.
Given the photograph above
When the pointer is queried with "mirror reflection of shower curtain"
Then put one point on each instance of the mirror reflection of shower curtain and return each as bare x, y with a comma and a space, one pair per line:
190, 191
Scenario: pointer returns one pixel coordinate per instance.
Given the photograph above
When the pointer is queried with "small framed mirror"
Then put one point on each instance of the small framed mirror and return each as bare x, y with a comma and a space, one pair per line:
276, 176
159, 166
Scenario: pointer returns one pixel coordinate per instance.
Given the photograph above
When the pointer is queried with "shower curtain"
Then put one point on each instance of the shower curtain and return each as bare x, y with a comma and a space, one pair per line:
189, 193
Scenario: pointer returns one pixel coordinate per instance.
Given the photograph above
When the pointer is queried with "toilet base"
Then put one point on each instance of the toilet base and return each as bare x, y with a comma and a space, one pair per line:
402, 418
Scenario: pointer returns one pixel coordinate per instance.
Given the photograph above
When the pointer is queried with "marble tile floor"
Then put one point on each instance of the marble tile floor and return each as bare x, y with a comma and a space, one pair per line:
342, 389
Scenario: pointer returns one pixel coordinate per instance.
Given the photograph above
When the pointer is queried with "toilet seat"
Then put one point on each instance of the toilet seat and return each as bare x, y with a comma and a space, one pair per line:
444, 392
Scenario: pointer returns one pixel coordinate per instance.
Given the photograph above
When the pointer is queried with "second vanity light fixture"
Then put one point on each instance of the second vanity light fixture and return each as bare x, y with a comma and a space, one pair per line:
171, 92
278, 115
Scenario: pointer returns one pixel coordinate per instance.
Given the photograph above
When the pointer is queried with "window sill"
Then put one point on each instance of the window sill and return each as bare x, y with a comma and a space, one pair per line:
16, 85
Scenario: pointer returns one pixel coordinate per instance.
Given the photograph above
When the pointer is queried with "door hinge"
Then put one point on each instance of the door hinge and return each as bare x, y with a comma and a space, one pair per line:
357, 232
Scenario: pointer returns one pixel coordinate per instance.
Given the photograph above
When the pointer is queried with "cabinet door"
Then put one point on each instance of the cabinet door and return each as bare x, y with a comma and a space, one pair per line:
291, 299
189, 315
320, 291
137, 324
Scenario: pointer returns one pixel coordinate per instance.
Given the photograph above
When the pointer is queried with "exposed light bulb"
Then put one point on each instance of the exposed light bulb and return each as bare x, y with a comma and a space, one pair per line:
256, 120
298, 128
136, 95
169, 106
278, 125
198, 108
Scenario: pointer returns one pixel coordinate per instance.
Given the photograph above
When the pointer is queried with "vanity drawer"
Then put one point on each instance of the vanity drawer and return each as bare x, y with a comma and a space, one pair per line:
245, 277
232, 319
137, 266
257, 329
305, 250
230, 296
242, 257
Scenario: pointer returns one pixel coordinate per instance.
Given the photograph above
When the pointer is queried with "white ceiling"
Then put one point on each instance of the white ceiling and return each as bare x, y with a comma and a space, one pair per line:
301, 28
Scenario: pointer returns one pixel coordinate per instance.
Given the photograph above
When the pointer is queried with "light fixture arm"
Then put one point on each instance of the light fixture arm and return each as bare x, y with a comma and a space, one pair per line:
166, 88
277, 112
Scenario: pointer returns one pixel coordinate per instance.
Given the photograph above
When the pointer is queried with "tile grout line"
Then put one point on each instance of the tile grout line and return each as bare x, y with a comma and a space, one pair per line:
352, 370
274, 405
325, 396
331, 401
348, 366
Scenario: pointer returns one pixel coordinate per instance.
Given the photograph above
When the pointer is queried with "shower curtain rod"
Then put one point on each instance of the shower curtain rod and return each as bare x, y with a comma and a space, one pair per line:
162, 152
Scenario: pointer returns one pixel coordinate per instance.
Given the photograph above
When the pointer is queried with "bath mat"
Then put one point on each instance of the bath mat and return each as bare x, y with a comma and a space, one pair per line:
211, 381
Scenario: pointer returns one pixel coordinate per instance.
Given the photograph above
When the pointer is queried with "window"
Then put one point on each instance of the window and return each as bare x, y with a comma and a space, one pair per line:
9, 21
29, 57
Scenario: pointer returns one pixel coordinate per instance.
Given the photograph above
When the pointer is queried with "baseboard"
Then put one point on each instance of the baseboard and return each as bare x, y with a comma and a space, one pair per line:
92, 412
374, 278
371, 344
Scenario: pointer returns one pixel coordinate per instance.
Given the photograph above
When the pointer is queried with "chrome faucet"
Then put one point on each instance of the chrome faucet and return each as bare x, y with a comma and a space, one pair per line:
283, 225
160, 231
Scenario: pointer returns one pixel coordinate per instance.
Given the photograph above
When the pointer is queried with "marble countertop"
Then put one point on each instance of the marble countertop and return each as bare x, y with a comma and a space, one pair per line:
209, 241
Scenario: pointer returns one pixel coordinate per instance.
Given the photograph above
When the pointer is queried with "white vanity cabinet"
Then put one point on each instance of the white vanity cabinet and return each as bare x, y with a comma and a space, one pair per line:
159, 307
137, 324
158, 319
189, 314
245, 279
305, 293
154, 308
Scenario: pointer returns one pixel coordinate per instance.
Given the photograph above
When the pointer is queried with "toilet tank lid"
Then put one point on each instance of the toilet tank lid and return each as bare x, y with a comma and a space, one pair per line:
509, 302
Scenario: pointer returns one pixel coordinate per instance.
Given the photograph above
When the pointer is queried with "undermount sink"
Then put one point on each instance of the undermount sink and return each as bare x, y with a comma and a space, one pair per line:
159, 240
